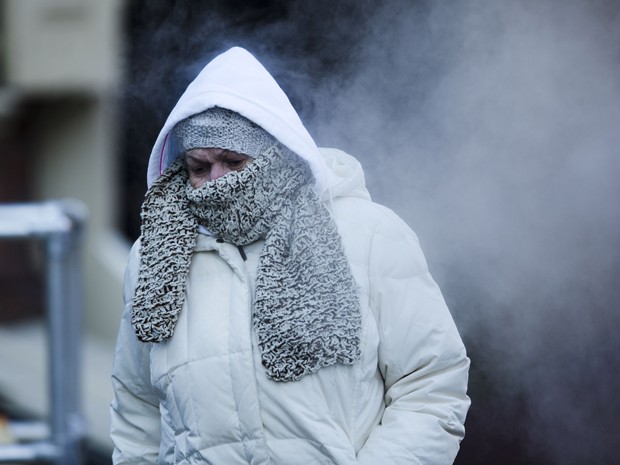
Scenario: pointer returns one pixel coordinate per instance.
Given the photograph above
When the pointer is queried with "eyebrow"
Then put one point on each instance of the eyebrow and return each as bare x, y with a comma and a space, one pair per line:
218, 157
196, 159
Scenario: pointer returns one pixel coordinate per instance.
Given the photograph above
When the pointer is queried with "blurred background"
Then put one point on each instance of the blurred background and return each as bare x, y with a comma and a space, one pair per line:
491, 127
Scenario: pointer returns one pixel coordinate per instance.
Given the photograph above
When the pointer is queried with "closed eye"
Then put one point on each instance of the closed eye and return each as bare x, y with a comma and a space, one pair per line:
237, 163
197, 167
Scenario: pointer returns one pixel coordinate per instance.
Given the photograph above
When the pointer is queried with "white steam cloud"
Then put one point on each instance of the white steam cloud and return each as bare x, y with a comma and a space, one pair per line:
493, 128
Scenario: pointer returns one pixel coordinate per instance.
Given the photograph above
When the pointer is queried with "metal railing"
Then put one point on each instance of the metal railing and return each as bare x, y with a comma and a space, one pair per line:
58, 225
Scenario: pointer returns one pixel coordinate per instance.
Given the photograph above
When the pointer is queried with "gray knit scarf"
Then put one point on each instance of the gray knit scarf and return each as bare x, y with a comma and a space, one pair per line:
306, 307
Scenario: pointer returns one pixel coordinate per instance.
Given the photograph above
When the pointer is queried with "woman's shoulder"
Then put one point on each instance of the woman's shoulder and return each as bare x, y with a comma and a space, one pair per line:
363, 215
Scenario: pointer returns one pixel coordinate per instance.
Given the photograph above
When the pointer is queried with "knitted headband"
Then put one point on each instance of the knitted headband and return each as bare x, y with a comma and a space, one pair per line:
223, 129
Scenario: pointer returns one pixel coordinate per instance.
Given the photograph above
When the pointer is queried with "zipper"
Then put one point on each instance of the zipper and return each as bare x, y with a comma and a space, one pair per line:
242, 253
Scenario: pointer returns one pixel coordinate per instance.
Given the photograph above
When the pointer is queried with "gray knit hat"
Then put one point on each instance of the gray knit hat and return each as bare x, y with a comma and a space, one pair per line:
224, 129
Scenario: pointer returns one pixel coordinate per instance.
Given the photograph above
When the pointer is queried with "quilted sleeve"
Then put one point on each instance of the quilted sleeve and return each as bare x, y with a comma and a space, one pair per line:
421, 357
134, 412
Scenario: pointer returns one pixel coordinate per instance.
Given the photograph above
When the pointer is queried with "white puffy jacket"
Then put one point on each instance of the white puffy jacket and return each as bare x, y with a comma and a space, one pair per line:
203, 395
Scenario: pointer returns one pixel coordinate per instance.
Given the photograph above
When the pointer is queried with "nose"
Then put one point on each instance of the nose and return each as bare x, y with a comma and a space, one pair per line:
217, 171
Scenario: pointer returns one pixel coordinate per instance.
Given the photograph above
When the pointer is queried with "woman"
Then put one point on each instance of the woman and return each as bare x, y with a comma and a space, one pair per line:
274, 314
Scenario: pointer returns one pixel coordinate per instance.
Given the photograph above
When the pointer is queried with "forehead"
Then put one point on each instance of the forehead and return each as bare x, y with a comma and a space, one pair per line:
211, 154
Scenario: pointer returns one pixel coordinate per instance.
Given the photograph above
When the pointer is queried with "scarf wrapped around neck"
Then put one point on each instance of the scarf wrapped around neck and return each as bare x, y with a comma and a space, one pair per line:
306, 309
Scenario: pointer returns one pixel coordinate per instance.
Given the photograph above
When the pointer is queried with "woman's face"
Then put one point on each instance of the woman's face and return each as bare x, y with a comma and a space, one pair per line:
208, 164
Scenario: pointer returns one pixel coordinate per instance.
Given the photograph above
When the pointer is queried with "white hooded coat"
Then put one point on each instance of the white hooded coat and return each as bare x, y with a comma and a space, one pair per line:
203, 396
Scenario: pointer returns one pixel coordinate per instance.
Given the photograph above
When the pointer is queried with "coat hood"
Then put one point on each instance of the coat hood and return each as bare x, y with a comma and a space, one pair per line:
346, 176
237, 81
